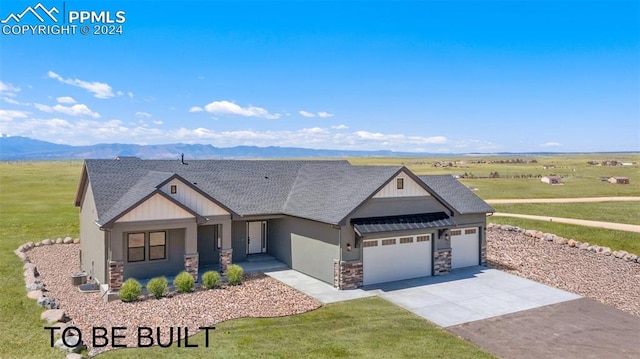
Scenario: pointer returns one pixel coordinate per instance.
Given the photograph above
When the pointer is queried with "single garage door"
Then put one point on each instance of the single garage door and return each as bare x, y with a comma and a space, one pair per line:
389, 259
465, 248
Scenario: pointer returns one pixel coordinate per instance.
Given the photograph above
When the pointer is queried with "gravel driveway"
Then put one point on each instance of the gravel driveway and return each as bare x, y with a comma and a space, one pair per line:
258, 296
606, 279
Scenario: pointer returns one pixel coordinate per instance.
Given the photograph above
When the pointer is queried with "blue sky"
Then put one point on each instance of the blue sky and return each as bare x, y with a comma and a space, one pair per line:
434, 76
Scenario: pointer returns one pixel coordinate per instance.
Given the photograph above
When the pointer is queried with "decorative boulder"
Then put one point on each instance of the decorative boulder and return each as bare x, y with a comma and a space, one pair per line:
47, 242
67, 240
35, 294
53, 316
48, 303
76, 241
59, 241
73, 344
35, 286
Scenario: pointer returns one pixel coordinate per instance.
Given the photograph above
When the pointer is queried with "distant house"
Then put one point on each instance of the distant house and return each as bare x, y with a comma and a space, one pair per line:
546, 167
552, 179
619, 180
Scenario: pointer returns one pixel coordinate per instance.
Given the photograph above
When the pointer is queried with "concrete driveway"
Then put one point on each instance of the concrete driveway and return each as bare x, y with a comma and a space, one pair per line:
463, 296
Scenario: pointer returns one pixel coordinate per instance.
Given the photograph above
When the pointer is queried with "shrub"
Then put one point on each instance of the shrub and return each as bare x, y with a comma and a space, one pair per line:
234, 274
130, 290
211, 279
158, 287
184, 282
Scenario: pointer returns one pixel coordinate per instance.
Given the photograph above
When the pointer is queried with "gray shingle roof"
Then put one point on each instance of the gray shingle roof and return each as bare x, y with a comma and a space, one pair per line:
325, 191
456, 194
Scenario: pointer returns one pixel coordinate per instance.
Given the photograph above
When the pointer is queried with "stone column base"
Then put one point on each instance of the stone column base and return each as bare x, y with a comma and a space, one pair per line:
116, 273
191, 264
225, 259
347, 275
442, 262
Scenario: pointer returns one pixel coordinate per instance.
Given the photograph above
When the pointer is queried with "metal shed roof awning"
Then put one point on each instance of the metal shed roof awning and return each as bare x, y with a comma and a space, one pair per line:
401, 223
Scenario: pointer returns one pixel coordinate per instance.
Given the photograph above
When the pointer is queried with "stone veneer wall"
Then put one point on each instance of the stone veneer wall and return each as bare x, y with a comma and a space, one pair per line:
116, 273
347, 275
442, 262
191, 264
225, 259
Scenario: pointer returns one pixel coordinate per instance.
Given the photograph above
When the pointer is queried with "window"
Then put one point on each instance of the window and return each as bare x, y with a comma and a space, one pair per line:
404, 240
388, 242
456, 233
135, 247
423, 238
174, 189
470, 231
157, 245
370, 243
400, 183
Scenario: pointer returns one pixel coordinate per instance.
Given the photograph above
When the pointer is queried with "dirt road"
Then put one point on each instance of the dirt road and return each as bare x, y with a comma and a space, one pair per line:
581, 222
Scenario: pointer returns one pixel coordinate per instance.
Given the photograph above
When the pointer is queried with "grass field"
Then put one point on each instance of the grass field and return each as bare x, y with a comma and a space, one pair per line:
580, 178
364, 328
616, 212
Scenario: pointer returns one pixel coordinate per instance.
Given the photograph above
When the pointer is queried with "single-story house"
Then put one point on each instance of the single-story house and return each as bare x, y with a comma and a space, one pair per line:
552, 179
619, 180
346, 225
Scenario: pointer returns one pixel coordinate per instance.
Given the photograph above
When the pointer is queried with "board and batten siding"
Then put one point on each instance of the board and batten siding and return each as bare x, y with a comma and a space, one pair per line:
192, 199
155, 208
410, 188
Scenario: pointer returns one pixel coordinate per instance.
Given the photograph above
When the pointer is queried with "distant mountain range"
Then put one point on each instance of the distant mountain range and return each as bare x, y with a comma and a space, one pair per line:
24, 148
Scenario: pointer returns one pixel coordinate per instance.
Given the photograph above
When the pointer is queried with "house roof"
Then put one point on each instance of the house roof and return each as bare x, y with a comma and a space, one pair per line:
451, 191
401, 223
325, 191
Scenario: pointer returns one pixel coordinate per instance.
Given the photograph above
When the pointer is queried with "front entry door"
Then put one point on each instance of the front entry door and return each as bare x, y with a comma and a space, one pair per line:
256, 237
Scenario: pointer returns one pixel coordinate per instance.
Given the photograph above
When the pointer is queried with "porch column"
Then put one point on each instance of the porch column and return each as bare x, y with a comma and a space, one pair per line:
191, 257
226, 249
442, 261
116, 272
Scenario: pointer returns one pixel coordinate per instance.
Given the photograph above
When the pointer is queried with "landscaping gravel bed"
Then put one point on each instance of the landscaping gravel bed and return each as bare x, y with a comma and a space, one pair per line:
258, 296
607, 279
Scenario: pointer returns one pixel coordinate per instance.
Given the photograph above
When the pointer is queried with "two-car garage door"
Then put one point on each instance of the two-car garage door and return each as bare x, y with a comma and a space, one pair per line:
390, 259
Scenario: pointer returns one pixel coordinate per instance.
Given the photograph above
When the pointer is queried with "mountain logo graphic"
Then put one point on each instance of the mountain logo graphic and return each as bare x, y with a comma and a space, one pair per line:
34, 11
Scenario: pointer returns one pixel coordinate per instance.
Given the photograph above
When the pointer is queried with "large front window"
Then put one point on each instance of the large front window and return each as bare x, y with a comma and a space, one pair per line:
135, 247
143, 245
157, 245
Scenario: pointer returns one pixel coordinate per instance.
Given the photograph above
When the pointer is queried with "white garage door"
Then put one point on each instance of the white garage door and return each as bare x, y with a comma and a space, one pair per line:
389, 259
465, 248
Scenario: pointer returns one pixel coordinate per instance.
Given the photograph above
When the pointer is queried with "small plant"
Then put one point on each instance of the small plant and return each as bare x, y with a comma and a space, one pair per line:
130, 290
184, 282
211, 279
158, 286
234, 274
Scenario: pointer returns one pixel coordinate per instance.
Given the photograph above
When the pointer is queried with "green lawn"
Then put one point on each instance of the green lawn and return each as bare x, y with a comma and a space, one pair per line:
365, 328
617, 212
616, 240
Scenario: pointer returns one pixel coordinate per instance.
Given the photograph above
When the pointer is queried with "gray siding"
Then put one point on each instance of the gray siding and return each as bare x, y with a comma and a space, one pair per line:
239, 240
171, 266
378, 207
93, 241
470, 219
208, 245
307, 246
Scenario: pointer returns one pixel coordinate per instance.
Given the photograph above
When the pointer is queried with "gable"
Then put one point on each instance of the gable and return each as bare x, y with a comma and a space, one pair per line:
156, 207
192, 199
410, 188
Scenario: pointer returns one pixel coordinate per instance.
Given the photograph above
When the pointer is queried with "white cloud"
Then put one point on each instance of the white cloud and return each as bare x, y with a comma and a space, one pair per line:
10, 115
66, 99
11, 101
324, 114
551, 144
306, 114
141, 114
8, 89
157, 122
196, 109
394, 139
99, 89
78, 110
230, 108
339, 127
130, 94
